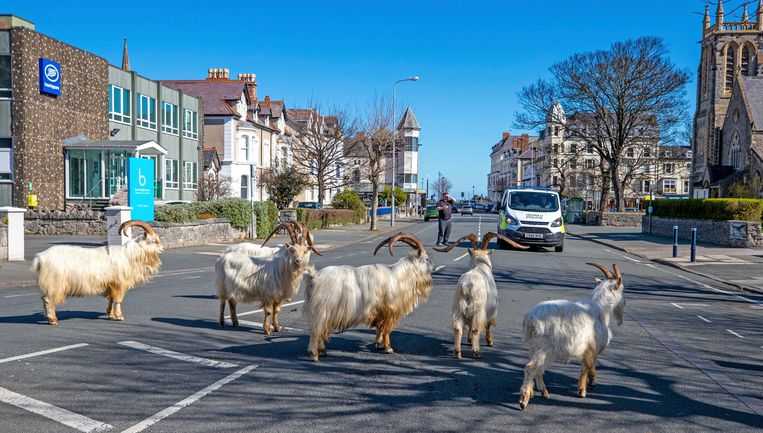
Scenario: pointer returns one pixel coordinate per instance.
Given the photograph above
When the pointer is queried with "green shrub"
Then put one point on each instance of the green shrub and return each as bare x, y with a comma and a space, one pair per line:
267, 217
321, 219
712, 209
181, 213
349, 199
235, 210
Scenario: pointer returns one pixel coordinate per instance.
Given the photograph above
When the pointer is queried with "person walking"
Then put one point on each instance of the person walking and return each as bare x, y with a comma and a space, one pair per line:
444, 208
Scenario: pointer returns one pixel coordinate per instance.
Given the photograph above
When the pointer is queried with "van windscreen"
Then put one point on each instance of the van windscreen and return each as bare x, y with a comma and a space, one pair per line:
533, 201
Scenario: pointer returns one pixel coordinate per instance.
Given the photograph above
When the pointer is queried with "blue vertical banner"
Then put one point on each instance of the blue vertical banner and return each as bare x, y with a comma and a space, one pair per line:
140, 188
50, 77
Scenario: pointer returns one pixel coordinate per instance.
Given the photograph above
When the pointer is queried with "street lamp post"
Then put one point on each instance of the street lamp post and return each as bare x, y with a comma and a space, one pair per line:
394, 145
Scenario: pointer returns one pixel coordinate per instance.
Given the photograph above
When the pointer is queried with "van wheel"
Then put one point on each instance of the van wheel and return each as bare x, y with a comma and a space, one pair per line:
559, 249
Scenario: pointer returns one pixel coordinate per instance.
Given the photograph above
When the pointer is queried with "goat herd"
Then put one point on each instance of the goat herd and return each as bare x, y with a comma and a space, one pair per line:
338, 298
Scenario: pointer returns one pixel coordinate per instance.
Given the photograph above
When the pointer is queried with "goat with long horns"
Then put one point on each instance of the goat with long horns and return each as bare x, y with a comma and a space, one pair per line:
475, 303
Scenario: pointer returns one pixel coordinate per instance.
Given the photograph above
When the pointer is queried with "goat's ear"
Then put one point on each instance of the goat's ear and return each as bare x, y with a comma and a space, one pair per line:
619, 283
597, 279
490, 252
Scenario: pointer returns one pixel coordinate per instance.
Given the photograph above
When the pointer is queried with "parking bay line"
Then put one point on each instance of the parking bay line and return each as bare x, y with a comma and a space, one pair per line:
460, 257
153, 419
177, 355
22, 294
63, 416
260, 310
42, 352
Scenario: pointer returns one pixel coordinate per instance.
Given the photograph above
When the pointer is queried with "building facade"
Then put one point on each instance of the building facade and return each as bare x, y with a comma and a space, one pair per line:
505, 167
730, 63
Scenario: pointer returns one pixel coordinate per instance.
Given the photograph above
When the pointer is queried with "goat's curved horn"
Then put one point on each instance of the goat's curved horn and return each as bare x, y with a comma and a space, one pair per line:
408, 238
490, 235
306, 237
471, 236
607, 273
278, 228
142, 224
618, 275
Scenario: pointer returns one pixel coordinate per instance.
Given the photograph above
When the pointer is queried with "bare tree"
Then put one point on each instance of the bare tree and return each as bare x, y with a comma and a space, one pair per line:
373, 145
625, 97
442, 185
320, 143
212, 186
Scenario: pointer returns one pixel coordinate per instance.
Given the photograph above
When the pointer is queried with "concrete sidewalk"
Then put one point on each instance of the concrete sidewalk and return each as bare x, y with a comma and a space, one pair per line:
735, 266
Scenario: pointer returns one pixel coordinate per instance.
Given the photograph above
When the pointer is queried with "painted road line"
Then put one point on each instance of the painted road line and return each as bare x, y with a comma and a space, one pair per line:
725, 292
23, 294
338, 257
460, 257
706, 320
62, 416
438, 268
153, 419
185, 271
625, 257
43, 352
260, 325
177, 355
209, 253
736, 334
260, 310
676, 305
191, 277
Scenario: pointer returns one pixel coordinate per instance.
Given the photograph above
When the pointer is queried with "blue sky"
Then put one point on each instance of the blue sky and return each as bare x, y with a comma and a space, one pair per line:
472, 57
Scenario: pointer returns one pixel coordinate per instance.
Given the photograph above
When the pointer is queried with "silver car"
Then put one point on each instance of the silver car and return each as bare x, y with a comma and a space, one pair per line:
467, 210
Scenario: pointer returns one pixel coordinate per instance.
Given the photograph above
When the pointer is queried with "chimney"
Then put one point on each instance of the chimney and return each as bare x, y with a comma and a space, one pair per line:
218, 74
506, 135
247, 77
267, 100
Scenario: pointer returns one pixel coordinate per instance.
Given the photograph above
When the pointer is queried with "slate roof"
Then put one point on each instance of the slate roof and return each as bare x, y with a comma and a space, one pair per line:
208, 156
753, 91
408, 121
217, 96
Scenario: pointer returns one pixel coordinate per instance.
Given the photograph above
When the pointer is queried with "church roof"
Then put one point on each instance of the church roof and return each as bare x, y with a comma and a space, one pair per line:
408, 121
753, 91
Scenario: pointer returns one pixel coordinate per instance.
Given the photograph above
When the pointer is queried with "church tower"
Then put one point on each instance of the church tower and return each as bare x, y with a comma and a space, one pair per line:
729, 49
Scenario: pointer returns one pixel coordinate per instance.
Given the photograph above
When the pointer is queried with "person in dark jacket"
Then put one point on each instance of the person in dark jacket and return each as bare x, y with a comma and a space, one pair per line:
445, 209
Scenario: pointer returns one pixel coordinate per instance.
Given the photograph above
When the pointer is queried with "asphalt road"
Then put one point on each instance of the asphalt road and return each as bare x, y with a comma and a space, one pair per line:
687, 358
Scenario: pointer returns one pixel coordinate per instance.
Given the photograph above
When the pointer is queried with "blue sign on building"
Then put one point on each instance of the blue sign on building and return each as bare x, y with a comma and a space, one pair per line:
50, 77
140, 188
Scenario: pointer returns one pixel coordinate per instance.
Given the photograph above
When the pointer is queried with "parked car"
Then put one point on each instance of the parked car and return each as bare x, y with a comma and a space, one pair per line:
430, 213
309, 205
467, 210
454, 208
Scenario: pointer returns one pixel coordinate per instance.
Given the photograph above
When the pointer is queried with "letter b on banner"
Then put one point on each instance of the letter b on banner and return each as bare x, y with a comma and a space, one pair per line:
140, 188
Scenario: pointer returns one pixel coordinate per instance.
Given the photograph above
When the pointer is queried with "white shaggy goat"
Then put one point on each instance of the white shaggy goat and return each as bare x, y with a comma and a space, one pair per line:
562, 330
267, 279
342, 297
109, 271
475, 303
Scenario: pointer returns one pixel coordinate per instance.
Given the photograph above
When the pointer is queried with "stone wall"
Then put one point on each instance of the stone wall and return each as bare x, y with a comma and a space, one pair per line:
739, 234
614, 219
3, 242
41, 122
56, 222
200, 232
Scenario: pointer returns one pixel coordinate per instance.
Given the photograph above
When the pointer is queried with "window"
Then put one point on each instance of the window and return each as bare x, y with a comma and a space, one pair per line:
411, 144
573, 148
338, 172
668, 186
171, 173
669, 168
555, 181
647, 168
244, 148
244, 186
556, 147
646, 185
190, 124
647, 153
589, 148
590, 163
736, 152
170, 118
145, 115
629, 152
730, 64
573, 163
119, 104
6, 163
190, 175
686, 187
556, 131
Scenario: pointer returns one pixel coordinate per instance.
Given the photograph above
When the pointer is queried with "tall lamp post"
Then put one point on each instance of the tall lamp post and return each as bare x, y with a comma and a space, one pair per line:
394, 145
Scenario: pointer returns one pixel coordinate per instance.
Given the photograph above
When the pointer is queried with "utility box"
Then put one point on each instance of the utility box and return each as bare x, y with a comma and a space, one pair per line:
574, 213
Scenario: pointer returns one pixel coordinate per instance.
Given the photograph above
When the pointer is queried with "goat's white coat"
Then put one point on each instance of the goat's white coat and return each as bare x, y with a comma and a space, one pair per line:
475, 303
338, 298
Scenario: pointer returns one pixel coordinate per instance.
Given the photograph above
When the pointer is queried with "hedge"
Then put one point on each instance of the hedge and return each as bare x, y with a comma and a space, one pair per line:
235, 210
743, 209
321, 219
349, 199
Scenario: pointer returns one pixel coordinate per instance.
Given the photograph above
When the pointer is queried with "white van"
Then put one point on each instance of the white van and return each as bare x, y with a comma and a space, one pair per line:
531, 216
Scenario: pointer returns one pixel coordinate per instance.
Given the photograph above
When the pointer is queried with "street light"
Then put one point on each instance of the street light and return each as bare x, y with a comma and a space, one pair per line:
394, 145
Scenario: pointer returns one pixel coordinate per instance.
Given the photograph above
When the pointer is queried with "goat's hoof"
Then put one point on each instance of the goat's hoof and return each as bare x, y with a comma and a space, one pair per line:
544, 394
277, 328
314, 358
322, 352
120, 318
522, 405
222, 324
458, 355
581, 393
53, 322
235, 323
477, 355
490, 343
388, 350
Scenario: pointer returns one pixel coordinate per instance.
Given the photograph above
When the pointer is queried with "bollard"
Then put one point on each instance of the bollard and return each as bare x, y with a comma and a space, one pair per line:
675, 241
693, 244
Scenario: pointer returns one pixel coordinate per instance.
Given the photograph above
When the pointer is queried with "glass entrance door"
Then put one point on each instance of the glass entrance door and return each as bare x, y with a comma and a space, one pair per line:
76, 173
158, 178
117, 171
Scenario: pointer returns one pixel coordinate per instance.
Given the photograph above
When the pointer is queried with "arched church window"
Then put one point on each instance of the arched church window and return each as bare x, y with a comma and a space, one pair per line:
736, 151
730, 65
746, 60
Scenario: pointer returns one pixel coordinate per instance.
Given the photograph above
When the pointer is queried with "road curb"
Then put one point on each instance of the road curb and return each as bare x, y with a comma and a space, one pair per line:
741, 287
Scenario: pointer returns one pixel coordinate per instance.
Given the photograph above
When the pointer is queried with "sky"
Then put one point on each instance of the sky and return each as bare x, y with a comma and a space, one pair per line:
472, 57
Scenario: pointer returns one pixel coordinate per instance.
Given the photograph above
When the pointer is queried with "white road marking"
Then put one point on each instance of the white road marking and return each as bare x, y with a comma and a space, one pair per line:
734, 333
191, 277
23, 294
185, 271
177, 355
57, 414
338, 257
209, 253
153, 419
460, 257
260, 310
725, 292
438, 268
43, 352
708, 321
260, 325
623, 256
676, 305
